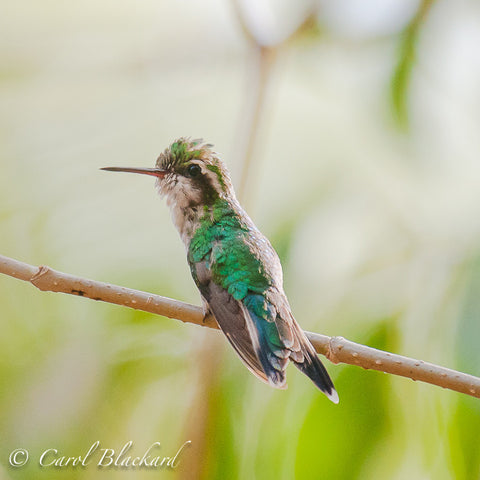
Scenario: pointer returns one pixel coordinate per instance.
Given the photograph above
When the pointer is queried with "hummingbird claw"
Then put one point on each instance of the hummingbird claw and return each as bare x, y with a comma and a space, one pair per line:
206, 313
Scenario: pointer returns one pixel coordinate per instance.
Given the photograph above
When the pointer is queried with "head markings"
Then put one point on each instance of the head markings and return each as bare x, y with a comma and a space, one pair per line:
197, 170
181, 152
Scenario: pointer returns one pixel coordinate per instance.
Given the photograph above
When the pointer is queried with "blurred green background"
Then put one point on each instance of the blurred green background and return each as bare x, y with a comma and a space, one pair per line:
354, 127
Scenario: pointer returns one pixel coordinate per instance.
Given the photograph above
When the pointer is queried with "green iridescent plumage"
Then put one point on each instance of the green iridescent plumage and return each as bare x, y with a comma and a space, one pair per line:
221, 241
221, 233
182, 152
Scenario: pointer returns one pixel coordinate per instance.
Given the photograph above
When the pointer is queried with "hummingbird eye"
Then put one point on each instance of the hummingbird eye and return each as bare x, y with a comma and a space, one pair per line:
194, 170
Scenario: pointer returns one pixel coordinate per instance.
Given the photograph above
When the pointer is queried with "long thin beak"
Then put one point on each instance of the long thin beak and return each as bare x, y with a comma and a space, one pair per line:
155, 172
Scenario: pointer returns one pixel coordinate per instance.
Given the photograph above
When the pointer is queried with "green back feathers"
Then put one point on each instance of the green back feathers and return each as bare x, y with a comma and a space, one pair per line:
222, 242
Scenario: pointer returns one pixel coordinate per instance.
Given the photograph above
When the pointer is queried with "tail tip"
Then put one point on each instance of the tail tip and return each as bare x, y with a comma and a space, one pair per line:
333, 396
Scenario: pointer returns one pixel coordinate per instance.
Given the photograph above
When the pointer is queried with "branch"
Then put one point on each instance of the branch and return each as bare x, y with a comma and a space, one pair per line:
336, 349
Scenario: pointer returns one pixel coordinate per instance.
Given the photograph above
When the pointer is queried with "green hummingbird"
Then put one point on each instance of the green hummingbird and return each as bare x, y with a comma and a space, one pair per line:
234, 266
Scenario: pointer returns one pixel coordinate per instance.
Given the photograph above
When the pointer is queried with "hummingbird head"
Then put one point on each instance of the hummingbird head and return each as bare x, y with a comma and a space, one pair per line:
194, 175
189, 174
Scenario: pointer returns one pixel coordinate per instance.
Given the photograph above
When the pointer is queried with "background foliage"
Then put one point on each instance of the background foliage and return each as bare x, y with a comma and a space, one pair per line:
364, 173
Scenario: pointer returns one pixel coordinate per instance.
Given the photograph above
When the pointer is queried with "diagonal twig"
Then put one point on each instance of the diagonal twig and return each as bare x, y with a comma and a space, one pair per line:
336, 349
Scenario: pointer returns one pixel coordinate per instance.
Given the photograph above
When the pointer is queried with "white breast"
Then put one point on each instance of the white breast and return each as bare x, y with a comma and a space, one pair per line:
184, 202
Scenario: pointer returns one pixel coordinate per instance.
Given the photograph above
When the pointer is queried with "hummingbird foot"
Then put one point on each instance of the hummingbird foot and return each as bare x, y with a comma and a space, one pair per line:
207, 313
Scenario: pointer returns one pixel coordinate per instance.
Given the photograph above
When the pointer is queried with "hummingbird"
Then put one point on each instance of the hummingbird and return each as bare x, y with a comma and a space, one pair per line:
234, 266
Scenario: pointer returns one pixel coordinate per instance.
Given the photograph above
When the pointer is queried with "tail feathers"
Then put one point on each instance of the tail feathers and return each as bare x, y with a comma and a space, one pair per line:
266, 346
274, 357
274, 361
314, 369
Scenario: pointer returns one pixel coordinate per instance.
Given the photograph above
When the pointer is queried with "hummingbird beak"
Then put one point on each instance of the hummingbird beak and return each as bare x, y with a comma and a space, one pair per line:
155, 172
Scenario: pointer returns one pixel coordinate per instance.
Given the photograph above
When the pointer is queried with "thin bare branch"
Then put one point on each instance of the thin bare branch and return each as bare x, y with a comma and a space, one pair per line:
336, 349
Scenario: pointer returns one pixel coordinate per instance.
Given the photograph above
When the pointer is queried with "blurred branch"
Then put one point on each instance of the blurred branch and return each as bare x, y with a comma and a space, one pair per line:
336, 349
266, 44
260, 69
254, 106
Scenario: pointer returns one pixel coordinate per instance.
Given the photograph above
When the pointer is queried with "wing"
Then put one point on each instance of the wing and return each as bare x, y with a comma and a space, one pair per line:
238, 325
239, 275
